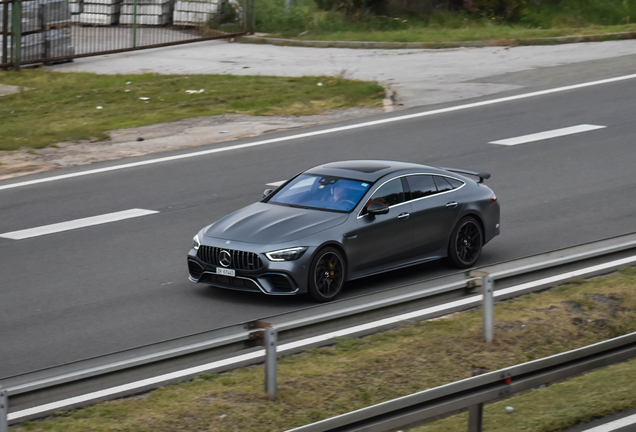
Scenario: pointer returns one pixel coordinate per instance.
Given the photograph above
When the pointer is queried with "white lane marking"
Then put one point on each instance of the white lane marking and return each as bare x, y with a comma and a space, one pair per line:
276, 184
473, 301
77, 223
320, 132
616, 424
547, 135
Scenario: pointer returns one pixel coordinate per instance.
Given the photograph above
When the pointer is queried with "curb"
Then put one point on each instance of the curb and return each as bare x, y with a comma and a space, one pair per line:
438, 45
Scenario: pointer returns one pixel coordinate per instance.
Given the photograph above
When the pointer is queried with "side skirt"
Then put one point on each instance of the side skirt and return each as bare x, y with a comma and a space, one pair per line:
394, 266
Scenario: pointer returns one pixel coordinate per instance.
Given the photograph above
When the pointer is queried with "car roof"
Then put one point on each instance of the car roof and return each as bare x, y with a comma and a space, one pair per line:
366, 170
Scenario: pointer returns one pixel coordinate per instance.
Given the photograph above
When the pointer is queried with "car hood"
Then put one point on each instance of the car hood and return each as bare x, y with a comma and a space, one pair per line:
269, 223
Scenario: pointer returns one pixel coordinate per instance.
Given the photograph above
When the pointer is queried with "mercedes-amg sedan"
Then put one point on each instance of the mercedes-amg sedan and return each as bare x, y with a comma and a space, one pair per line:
347, 220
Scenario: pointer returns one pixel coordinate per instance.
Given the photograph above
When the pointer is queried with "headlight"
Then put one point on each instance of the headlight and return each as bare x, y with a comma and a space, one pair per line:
286, 254
195, 242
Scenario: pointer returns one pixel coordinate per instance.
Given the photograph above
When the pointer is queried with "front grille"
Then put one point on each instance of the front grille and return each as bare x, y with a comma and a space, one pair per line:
240, 260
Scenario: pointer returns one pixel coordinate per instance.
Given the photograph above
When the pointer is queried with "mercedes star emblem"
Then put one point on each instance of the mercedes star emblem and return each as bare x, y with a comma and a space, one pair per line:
225, 259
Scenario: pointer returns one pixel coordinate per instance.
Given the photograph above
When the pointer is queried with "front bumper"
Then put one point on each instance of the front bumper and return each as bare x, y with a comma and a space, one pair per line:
269, 277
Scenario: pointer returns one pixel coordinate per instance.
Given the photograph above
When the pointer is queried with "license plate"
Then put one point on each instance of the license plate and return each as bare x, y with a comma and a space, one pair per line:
225, 272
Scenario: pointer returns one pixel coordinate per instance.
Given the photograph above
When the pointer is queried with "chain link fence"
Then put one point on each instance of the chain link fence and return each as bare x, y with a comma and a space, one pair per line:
48, 31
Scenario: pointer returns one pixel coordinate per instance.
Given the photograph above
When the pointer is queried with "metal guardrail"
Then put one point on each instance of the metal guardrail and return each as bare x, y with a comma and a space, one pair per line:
144, 364
473, 392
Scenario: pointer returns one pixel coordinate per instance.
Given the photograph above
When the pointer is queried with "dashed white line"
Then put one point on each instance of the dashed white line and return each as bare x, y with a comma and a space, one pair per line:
418, 314
320, 132
616, 424
77, 223
276, 184
548, 134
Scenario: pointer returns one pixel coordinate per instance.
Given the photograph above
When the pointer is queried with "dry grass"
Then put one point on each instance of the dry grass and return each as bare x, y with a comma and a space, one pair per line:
355, 373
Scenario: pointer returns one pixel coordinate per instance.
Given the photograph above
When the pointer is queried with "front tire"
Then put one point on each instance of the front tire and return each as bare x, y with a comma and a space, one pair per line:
327, 274
466, 242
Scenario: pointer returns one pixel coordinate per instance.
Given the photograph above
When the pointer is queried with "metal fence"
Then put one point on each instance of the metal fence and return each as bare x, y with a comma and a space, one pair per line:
46, 31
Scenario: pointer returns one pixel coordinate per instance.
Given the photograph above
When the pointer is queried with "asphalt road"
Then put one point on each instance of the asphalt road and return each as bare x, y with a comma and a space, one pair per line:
95, 290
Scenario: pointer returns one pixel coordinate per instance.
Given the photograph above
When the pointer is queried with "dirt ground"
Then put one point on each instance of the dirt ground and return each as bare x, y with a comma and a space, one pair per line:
161, 137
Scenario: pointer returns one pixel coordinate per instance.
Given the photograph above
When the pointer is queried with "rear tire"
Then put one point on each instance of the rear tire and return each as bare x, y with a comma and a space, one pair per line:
327, 274
465, 243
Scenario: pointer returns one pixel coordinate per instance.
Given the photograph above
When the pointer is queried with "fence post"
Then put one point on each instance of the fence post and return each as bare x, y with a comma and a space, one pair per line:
16, 38
252, 25
5, 32
270, 362
4, 411
134, 41
246, 14
487, 287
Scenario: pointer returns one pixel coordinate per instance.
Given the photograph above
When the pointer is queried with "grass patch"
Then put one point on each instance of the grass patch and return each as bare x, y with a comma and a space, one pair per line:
468, 33
63, 106
355, 373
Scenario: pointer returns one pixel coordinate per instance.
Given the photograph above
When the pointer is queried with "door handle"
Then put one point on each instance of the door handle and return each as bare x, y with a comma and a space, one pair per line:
404, 216
451, 204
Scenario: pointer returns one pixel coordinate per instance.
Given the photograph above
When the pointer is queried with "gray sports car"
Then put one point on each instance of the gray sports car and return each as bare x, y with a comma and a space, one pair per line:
343, 221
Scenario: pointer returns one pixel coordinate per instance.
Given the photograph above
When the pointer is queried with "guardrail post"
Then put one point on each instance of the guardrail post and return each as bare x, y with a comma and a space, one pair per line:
4, 411
475, 417
271, 362
16, 37
487, 286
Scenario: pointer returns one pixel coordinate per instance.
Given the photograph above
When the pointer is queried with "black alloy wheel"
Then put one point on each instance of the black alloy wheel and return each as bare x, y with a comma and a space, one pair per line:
466, 243
327, 274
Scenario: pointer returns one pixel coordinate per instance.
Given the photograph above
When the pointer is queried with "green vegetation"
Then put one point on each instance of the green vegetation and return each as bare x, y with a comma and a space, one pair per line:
443, 20
355, 373
64, 106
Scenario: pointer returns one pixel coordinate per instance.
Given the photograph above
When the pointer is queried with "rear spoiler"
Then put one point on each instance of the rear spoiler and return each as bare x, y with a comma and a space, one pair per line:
482, 175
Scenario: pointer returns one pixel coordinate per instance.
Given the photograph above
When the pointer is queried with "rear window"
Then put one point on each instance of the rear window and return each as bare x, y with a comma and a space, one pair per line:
442, 184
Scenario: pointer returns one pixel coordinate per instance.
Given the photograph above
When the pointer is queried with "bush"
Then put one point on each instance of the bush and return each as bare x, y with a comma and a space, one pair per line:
508, 9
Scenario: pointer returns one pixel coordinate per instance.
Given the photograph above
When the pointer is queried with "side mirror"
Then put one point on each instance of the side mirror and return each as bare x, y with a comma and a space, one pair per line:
267, 192
376, 208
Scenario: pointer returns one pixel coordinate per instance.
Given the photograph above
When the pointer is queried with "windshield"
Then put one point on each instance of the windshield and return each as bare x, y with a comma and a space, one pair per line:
321, 192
